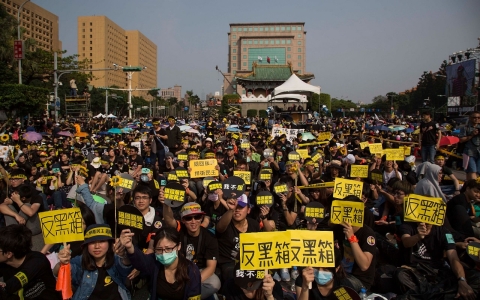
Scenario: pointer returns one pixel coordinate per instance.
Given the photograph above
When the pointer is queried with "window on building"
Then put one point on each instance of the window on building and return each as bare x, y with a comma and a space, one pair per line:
250, 29
90, 29
266, 28
234, 57
299, 50
299, 28
283, 42
249, 42
83, 49
261, 28
234, 43
299, 64
299, 57
272, 28
90, 48
288, 28
261, 42
91, 24
234, 36
282, 28
91, 36
244, 57
289, 42
255, 42
90, 42
277, 42
245, 29
244, 42
289, 49
234, 29
299, 43
234, 65
244, 49
91, 54
234, 51
289, 56
83, 24
83, 30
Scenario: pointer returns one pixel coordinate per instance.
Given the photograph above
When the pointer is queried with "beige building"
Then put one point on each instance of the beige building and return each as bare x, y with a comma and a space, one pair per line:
104, 43
39, 24
264, 44
175, 92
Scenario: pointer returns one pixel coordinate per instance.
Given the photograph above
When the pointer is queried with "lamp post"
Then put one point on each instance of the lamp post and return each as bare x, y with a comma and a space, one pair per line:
18, 37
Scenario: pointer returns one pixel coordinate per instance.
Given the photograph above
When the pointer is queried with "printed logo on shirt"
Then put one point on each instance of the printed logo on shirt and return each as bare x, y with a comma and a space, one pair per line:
450, 239
157, 224
371, 241
190, 252
108, 280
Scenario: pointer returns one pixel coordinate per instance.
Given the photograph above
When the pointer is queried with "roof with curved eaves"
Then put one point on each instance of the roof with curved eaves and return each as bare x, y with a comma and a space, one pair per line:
271, 73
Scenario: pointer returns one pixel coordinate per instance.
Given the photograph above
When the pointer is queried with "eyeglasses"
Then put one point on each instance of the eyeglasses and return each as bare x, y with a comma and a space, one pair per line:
142, 198
189, 218
166, 250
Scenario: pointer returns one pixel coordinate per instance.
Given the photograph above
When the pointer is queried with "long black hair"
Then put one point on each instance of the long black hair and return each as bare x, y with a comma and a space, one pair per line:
181, 273
88, 262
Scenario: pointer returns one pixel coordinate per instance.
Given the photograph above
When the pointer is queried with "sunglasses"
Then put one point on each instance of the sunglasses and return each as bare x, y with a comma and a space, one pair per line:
189, 218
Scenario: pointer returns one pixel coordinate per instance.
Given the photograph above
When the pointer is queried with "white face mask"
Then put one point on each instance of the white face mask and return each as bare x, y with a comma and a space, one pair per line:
213, 197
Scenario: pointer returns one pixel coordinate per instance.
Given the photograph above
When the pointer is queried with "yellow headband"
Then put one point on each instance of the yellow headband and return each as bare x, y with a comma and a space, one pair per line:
99, 231
440, 157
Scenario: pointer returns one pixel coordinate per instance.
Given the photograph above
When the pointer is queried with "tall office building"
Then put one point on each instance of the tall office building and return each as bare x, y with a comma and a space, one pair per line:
104, 43
265, 44
39, 24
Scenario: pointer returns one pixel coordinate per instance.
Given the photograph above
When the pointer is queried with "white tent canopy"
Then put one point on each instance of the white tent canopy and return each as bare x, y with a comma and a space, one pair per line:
111, 116
99, 116
295, 97
295, 84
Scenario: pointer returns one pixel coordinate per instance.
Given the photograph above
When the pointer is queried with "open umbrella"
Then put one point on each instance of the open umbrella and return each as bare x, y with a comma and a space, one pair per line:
233, 129
184, 127
65, 133
32, 136
191, 130
308, 136
126, 129
115, 131
449, 140
396, 127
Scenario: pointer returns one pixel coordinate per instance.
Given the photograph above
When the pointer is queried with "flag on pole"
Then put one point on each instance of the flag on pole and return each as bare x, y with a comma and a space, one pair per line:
260, 59
268, 59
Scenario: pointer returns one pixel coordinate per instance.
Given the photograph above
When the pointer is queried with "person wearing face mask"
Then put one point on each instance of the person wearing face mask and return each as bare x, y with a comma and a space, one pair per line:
171, 275
215, 207
323, 281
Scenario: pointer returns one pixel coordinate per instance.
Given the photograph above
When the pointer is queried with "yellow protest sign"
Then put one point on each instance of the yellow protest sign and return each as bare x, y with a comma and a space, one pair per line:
322, 136
203, 168
265, 176
295, 156
265, 250
360, 171
245, 145
394, 154
312, 248
376, 176
303, 153
473, 250
63, 225
172, 177
280, 188
245, 175
424, 209
130, 220
215, 186
407, 151
182, 156
347, 211
264, 200
363, 145
345, 187
375, 148
181, 173
316, 157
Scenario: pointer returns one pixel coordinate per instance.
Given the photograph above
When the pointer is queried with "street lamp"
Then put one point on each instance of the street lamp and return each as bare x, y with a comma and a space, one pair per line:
129, 70
18, 38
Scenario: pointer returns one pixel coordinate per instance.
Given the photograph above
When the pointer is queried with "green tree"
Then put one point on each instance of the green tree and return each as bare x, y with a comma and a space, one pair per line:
193, 99
326, 100
22, 100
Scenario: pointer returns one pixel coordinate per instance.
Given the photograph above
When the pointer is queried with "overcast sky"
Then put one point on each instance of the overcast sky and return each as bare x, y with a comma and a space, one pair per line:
356, 49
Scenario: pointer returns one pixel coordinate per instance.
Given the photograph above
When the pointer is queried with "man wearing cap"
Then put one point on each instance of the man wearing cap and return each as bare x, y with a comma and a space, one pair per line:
228, 229
103, 174
171, 135
198, 244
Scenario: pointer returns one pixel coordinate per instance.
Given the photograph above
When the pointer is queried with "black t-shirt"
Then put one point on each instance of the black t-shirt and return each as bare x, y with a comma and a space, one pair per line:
106, 288
134, 163
228, 241
34, 278
234, 292
110, 170
366, 241
429, 133
168, 291
314, 292
36, 198
215, 214
199, 253
282, 221
446, 172
430, 249
461, 200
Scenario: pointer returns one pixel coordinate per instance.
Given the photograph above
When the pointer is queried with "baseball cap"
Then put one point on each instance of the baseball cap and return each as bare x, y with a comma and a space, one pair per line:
242, 201
96, 162
97, 232
208, 140
191, 208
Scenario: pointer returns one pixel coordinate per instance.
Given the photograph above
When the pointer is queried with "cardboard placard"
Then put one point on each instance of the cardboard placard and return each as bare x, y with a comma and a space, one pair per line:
424, 209
245, 145
248, 279
233, 187
63, 225
245, 175
264, 198
394, 154
294, 156
312, 248
181, 173
345, 187
364, 145
203, 168
473, 250
350, 212
174, 194
318, 185
324, 136
291, 134
375, 148
129, 217
206, 181
265, 175
376, 176
183, 156
172, 176
265, 250
303, 153
316, 156
360, 171
123, 181
314, 210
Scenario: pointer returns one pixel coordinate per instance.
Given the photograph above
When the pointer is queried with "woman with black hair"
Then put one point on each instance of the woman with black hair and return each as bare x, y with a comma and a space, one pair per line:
171, 275
324, 280
101, 270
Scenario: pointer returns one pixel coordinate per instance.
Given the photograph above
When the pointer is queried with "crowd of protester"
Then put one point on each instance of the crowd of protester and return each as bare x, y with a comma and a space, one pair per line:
192, 251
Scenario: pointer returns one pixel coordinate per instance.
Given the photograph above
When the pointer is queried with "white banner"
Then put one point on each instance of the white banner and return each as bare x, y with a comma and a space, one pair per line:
290, 133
